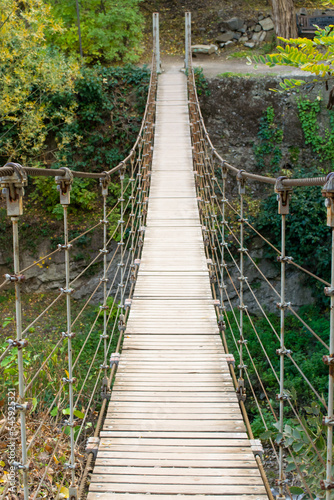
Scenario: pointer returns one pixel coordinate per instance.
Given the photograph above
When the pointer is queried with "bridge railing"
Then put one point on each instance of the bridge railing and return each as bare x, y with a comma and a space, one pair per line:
56, 384
300, 448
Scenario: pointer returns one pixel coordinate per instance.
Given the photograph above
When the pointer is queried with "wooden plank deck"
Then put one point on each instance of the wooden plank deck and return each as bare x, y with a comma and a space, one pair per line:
174, 428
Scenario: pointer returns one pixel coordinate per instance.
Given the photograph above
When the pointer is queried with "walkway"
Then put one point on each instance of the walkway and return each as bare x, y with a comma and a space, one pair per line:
174, 426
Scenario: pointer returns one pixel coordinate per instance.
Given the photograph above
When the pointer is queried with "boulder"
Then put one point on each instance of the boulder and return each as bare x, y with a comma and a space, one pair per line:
234, 24
225, 37
204, 49
257, 28
269, 36
243, 39
256, 37
250, 45
267, 24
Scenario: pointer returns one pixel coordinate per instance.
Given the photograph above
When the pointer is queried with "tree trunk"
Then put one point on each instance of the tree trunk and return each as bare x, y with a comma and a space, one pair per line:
284, 18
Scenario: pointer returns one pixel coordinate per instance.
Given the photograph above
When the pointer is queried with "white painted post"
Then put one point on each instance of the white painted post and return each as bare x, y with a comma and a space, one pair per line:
188, 38
156, 41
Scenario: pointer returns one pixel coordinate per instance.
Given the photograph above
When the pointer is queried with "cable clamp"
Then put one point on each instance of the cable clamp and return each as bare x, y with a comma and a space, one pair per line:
17, 343
69, 380
288, 260
329, 291
64, 185
242, 220
104, 308
328, 360
67, 291
242, 342
114, 359
14, 277
104, 367
326, 485
242, 278
121, 264
69, 466
329, 421
68, 335
221, 323
102, 250
137, 262
213, 196
104, 183
21, 406
102, 221
281, 482
104, 336
283, 305
64, 247
242, 366
282, 397
242, 250
120, 244
18, 465
104, 280
242, 307
283, 351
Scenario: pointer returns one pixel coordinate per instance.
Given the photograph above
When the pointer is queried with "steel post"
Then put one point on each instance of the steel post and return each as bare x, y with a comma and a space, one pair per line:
187, 39
156, 41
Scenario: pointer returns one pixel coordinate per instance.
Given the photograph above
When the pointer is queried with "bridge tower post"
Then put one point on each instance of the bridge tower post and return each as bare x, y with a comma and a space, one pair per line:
156, 41
187, 39
13, 191
64, 185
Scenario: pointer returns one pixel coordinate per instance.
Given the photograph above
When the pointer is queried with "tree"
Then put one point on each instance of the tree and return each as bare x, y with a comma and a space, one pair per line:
111, 30
29, 71
284, 18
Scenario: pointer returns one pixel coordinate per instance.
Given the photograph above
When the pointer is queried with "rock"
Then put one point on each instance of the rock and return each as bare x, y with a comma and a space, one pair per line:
256, 37
269, 36
243, 30
243, 39
237, 36
267, 24
262, 36
225, 37
230, 42
234, 24
257, 28
260, 17
204, 49
250, 45
302, 11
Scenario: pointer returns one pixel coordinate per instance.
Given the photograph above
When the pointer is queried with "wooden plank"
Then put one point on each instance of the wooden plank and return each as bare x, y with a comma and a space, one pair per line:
177, 488
175, 479
181, 471
138, 496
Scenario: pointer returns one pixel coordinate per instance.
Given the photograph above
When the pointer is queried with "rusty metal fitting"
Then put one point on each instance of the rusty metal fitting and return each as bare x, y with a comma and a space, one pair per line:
104, 336
66, 291
328, 193
283, 305
104, 280
242, 278
241, 182
328, 360
92, 445
69, 466
242, 342
242, 250
105, 222
121, 322
221, 325
64, 247
281, 482
282, 397
64, 185
329, 291
104, 308
14, 277
283, 195
122, 170
13, 189
66, 335
69, 380
288, 260
230, 360
21, 406
104, 183
128, 303
329, 421
326, 485
114, 359
20, 344
283, 351
256, 447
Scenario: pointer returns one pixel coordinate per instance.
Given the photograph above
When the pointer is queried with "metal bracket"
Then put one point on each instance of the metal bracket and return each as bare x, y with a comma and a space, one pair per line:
92, 445
230, 360
283, 305
114, 359
283, 193
241, 182
68, 335
329, 291
14, 277
283, 351
21, 407
328, 360
13, 189
288, 260
329, 421
328, 193
104, 183
64, 185
17, 343
257, 447
326, 485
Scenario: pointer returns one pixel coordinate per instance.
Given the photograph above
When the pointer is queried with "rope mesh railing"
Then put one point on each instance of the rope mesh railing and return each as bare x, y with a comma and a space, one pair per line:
229, 262
83, 350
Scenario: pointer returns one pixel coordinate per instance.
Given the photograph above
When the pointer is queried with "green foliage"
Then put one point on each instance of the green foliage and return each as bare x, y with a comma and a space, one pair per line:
268, 152
322, 145
111, 30
30, 71
314, 56
201, 82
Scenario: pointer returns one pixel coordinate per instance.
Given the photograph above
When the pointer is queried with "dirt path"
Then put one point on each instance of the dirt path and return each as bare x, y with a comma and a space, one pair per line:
215, 65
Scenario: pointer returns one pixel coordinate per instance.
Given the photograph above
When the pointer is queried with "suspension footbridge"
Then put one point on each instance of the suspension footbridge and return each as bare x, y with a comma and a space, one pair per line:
170, 399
